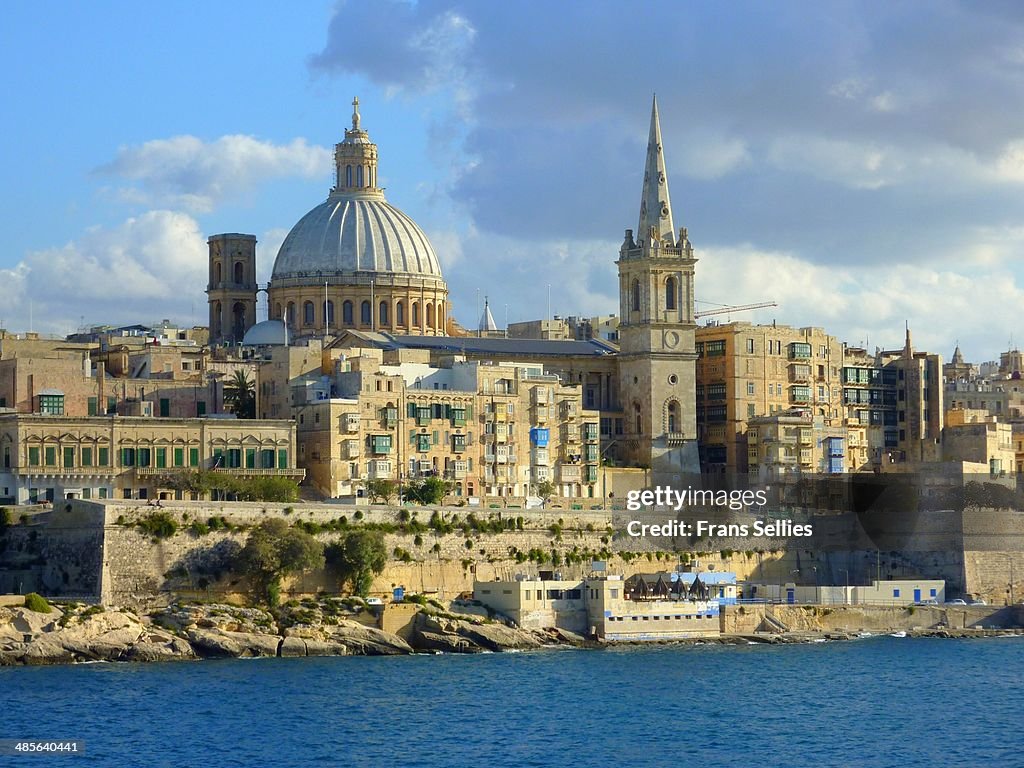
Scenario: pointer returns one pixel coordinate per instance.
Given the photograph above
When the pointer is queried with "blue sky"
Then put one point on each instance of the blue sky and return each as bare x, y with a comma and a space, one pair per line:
861, 164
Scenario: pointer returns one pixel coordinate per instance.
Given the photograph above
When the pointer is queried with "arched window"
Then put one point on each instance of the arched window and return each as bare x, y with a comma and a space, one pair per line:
382, 314
238, 321
329, 311
277, 311
399, 314
365, 314
239, 273
216, 320
635, 303
346, 313
673, 414
439, 316
307, 313
639, 419
292, 320
670, 293
415, 314
429, 315
216, 273
359, 176
348, 175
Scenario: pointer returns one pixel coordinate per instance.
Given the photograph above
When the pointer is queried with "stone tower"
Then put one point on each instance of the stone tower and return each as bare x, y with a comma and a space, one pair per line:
232, 290
656, 332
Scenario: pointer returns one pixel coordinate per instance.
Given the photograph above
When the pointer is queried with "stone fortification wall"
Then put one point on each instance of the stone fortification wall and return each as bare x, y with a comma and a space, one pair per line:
746, 619
91, 548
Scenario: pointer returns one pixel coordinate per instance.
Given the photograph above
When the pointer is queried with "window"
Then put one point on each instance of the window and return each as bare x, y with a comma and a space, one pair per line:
422, 443
161, 458
415, 314
635, 303
346, 313
179, 457
86, 457
365, 314
750, 346
382, 314
399, 314
715, 348
52, 404
165, 407
750, 387
307, 313
104, 457
638, 419
127, 457
896, 592
33, 457
142, 456
381, 443
239, 273
50, 454
670, 293
716, 391
193, 457
673, 420
93, 407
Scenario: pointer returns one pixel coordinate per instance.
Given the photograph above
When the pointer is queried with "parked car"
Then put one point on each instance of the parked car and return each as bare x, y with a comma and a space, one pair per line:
928, 601
374, 601
956, 601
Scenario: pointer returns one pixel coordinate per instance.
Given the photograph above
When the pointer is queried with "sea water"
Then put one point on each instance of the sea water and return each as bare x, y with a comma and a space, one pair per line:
865, 703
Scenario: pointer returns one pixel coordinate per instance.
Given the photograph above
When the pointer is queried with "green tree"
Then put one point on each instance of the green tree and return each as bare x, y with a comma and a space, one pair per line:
357, 558
240, 395
430, 491
381, 490
275, 550
545, 489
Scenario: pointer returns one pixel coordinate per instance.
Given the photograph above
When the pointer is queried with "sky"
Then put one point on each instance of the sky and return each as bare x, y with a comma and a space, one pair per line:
860, 164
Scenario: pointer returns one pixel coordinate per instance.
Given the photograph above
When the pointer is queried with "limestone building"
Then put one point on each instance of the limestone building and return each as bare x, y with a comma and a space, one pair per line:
48, 457
747, 371
491, 430
353, 261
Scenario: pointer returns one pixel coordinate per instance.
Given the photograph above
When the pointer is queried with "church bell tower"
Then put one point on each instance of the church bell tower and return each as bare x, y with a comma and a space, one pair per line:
657, 374
232, 289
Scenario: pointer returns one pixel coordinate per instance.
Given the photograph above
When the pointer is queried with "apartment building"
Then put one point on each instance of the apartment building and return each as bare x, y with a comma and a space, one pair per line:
745, 371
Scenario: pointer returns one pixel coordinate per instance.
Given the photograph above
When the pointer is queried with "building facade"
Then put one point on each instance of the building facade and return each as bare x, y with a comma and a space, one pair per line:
43, 458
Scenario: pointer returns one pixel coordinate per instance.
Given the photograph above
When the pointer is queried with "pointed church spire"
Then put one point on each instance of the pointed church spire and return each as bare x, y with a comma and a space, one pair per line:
487, 319
908, 349
958, 356
655, 206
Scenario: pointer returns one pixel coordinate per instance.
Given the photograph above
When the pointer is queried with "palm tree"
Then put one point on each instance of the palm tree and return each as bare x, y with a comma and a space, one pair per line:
240, 395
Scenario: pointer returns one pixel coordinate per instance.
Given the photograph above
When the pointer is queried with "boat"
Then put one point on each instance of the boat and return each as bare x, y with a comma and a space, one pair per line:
901, 633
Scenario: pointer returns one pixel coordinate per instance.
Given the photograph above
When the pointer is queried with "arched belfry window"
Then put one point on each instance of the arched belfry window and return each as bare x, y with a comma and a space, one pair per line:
359, 175
673, 416
348, 175
239, 273
216, 274
638, 419
346, 313
635, 301
670, 293
365, 314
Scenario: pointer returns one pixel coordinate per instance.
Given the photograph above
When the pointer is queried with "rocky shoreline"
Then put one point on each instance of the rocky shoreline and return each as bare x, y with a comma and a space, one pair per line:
188, 632
77, 633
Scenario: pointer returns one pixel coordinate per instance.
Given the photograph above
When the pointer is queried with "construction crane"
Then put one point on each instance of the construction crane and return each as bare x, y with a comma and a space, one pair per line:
725, 308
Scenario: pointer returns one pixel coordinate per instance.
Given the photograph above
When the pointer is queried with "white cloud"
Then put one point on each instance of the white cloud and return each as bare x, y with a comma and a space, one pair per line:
711, 156
186, 172
149, 267
867, 304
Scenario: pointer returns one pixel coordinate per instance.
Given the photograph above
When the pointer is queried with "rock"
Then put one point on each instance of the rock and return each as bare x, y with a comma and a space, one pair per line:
442, 642
293, 646
497, 637
353, 637
216, 643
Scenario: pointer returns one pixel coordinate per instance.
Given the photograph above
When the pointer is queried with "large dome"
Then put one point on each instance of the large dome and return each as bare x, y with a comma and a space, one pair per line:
349, 234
